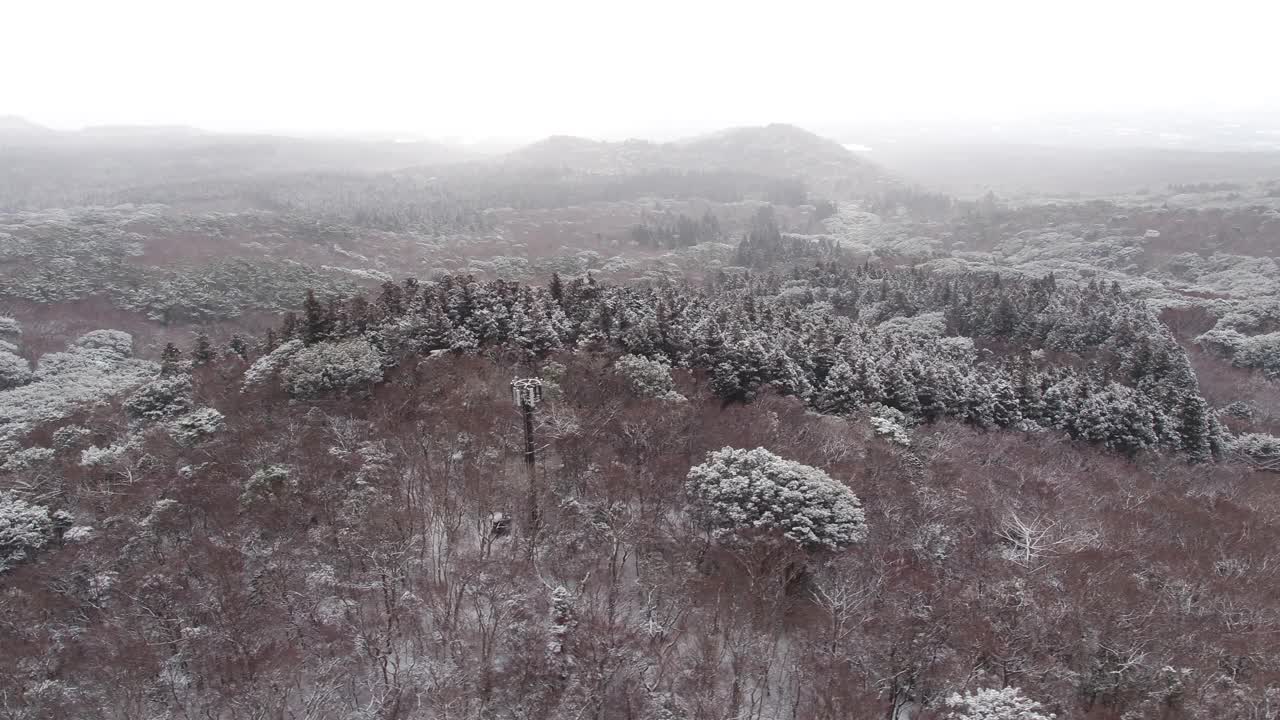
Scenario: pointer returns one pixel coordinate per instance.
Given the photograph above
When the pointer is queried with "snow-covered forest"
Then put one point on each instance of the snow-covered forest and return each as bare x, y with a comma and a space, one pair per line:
813, 442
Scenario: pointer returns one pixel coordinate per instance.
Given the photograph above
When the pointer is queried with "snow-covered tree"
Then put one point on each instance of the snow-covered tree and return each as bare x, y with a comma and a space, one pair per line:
841, 394
266, 367
164, 398
1257, 449
25, 528
201, 350
64, 382
271, 481
14, 370
744, 490
10, 329
332, 366
196, 425
648, 378
116, 342
995, 704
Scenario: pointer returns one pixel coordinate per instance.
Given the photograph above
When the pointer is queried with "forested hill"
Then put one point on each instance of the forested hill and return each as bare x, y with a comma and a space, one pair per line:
957, 475
992, 352
778, 151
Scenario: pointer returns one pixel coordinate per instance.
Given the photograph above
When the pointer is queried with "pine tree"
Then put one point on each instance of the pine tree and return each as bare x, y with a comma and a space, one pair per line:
898, 390
785, 375
1195, 431
170, 360
840, 395
709, 348
436, 329
1005, 408
238, 347
202, 350
557, 289
1130, 427
391, 301
641, 338
1027, 392
315, 323
461, 339
357, 315
290, 327
542, 337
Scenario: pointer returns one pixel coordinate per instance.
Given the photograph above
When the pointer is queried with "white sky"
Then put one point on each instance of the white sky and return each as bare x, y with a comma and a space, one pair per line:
527, 68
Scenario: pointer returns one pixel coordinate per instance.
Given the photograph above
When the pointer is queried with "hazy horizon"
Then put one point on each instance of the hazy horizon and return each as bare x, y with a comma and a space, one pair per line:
511, 71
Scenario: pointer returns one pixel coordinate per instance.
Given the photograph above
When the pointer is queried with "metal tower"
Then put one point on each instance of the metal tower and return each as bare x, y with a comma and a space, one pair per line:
526, 393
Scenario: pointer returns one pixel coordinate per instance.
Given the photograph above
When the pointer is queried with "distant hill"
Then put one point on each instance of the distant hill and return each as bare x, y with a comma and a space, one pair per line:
12, 125
65, 169
970, 169
221, 153
142, 131
778, 150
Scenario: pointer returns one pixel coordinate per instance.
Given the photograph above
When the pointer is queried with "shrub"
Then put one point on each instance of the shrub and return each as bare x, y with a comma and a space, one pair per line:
991, 704
70, 436
25, 459
1259, 449
196, 425
736, 490
94, 456
9, 328
332, 366
891, 430
266, 482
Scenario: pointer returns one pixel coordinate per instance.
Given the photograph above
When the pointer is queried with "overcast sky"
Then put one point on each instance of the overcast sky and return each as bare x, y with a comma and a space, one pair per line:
479, 68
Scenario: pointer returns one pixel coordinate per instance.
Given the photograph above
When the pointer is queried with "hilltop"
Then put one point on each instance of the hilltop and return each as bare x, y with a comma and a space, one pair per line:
776, 150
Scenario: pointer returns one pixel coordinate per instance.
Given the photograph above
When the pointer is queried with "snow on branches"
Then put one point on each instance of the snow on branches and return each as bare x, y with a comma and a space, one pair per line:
648, 378
25, 528
96, 367
992, 704
743, 490
332, 366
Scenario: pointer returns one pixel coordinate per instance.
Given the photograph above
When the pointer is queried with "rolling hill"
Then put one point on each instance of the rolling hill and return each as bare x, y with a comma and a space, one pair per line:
776, 150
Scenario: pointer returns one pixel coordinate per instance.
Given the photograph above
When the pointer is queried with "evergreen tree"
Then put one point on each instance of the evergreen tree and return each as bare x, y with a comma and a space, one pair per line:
542, 337
202, 350
1027, 392
1195, 428
315, 321
238, 347
557, 289
391, 301
436, 329
1005, 408
290, 327
840, 394
170, 360
898, 390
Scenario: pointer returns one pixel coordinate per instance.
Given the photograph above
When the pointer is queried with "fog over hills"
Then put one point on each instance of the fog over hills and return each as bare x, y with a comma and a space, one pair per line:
774, 150
947, 428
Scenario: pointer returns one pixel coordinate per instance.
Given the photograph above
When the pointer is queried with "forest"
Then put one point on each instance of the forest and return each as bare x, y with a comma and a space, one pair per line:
814, 442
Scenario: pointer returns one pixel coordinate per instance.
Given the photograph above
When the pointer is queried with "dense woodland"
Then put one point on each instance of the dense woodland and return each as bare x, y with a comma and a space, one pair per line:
893, 454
